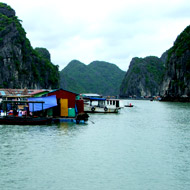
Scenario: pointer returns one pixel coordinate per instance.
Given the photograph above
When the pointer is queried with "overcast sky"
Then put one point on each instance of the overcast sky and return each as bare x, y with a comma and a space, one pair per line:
107, 30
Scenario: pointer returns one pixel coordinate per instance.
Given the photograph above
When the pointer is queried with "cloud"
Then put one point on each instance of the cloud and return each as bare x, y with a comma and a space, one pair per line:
113, 31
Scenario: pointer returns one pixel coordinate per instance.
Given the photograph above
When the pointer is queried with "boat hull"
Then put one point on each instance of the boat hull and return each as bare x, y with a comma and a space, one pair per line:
130, 106
100, 110
11, 120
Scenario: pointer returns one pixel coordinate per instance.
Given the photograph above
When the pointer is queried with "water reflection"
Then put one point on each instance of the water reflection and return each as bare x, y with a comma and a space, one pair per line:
70, 129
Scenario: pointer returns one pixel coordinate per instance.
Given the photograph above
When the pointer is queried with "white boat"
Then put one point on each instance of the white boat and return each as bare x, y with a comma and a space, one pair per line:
101, 105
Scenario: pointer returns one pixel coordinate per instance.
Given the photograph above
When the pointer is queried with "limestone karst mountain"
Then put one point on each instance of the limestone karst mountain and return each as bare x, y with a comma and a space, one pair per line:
21, 65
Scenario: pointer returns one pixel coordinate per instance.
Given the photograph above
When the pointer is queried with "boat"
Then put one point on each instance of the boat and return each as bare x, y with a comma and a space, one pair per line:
101, 105
18, 117
130, 105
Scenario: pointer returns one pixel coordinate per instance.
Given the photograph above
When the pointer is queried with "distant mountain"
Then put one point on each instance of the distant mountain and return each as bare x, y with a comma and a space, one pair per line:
97, 77
176, 81
21, 65
143, 77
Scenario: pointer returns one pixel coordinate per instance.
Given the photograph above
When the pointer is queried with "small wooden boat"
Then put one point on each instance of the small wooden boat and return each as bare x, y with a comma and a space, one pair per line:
130, 105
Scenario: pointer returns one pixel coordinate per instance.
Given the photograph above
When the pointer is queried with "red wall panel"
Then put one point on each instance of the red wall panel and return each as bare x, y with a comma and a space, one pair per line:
65, 95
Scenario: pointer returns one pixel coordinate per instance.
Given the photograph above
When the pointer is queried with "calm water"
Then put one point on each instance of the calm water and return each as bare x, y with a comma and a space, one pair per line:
146, 147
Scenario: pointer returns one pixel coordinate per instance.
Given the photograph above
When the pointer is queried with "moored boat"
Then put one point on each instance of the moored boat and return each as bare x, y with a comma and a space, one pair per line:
15, 117
101, 105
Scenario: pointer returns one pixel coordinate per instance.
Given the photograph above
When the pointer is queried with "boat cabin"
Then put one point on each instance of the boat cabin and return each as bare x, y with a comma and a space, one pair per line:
113, 102
101, 105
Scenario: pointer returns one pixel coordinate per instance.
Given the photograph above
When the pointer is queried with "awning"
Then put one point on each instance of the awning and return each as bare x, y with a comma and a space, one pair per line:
49, 102
96, 99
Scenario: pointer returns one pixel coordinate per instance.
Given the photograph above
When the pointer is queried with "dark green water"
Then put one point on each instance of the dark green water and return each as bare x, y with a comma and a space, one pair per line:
146, 147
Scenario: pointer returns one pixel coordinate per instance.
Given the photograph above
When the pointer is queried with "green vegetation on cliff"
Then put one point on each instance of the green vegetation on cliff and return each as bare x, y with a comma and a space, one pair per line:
176, 82
181, 44
43, 52
97, 77
143, 77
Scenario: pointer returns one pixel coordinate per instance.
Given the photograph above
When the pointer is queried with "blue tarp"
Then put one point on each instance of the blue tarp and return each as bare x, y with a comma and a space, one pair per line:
49, 102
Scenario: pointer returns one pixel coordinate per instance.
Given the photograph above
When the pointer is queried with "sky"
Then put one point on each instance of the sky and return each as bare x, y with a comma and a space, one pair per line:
114, 31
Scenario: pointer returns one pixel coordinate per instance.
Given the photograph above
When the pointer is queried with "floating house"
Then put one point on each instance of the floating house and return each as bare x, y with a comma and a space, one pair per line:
59, 104
66, 102
68, 106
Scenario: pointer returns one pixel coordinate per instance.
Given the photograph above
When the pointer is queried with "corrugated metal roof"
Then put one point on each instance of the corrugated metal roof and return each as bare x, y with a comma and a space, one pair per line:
38, 91
19, 92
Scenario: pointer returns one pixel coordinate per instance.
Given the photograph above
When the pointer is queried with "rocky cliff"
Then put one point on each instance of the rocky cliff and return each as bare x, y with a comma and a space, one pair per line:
21, 65
143, 77
176, 82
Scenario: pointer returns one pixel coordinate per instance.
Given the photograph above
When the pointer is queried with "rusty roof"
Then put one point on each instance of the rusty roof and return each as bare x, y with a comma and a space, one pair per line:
19, 92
